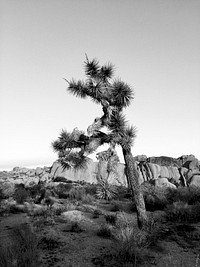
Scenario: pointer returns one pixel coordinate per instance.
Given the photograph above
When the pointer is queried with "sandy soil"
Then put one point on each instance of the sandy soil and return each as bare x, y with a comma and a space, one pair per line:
85, 249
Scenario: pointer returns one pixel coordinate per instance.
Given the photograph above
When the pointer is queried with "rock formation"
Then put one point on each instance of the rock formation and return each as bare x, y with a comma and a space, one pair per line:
184, 171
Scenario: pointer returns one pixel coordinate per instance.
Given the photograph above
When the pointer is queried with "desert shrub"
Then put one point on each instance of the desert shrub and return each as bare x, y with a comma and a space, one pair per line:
88, 199
155, 198
90, 189
97, 213
111, 219
182, 212
24, 249
155, 202
1, 195
35, 190
131, 243
62, 190
77, 193
20, 195
132, 207
123, 193
75, 227
190, 195
62, 179
105, 230
50, 241
115, 206
59, 210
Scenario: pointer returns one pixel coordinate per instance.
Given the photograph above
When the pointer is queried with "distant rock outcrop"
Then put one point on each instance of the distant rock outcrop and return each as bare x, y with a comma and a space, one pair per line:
164, 161
184, 170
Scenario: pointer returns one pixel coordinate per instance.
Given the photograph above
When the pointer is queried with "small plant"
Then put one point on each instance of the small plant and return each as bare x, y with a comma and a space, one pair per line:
96, 213
115, 206
105, 230
106, 190
20, 195
23, 251
35, 190
183, 213
77, 193
75, 227
50, 241
62, 190
88, 199
111, 219
91, 189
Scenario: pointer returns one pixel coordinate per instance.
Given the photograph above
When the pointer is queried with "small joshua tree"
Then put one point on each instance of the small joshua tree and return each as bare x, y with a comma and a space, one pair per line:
113, 95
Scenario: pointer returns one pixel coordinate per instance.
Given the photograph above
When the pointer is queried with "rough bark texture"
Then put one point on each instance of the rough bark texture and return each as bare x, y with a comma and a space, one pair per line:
133, 182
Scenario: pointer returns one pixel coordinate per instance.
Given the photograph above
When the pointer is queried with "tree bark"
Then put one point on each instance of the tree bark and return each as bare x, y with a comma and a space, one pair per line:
133, 181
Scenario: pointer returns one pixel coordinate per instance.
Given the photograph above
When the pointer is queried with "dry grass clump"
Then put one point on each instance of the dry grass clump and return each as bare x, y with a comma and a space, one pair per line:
105, 230
24, 249
131, 243
190, 195
96, 213
111, 219
182, 212
50, 241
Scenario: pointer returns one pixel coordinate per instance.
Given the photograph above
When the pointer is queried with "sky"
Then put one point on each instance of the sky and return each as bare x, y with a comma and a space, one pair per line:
154, 45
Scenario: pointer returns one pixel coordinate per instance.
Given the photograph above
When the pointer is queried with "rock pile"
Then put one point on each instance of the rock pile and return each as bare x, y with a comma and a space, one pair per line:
185, 169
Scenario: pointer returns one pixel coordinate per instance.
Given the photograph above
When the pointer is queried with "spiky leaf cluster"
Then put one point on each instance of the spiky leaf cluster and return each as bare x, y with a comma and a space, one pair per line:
106, 191
74, 160
128, 137
68, 140
122, 94
100, 86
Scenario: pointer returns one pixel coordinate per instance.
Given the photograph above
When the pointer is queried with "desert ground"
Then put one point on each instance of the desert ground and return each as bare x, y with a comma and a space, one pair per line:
68, 225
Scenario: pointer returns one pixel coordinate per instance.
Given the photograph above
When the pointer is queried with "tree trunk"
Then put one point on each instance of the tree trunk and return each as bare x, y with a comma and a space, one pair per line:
133, 181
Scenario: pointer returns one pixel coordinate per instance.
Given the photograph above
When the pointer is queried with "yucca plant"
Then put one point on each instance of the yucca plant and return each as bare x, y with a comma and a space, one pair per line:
113, 95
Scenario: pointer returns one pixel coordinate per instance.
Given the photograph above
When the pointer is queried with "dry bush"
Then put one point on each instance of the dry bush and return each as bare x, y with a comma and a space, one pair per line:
21, 195
105, 230
182, 212
88, 199
24, 249
110, 218
190, 195
62, 190
77, 193
91, 189
96, 213
50, 240
131, 243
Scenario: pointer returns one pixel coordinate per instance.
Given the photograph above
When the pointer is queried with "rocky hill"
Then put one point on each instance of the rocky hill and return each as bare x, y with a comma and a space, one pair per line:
170, 172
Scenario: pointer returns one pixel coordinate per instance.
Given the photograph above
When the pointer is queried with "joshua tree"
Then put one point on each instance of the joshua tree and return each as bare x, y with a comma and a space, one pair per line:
113, 95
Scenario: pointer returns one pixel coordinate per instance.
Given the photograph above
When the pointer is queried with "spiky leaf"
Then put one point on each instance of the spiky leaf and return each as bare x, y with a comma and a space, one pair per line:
78, 88
122, 93
117, 122
92, 68
128, 137
106, 72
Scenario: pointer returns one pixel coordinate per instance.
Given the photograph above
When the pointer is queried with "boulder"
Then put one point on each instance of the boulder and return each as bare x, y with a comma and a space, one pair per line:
195, 181
7, 189
45, 178
164, 161
88, 174
164, 183
39, 171
140, 158
30, 181
31, 172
